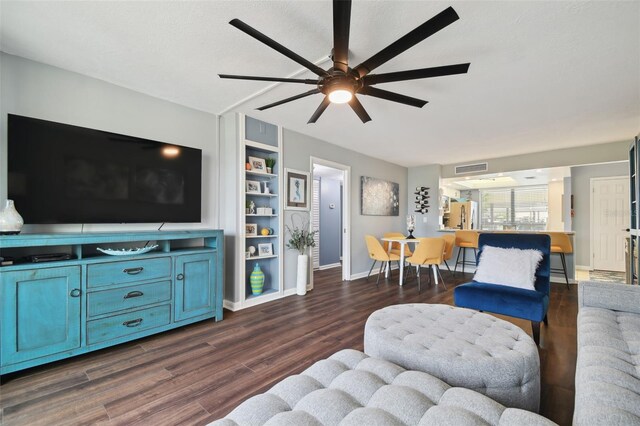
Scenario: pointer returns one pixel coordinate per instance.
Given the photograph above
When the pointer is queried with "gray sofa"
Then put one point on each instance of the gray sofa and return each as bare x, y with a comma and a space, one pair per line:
608, 364
351, 388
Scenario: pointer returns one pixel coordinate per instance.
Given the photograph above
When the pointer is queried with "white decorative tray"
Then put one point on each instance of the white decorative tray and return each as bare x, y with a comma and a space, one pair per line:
127, 252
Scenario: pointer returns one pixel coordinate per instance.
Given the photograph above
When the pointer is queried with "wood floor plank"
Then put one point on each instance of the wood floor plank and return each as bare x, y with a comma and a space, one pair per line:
200, 372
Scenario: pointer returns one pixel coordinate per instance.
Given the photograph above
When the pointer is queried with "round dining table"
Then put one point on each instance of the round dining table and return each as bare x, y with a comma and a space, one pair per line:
403, 241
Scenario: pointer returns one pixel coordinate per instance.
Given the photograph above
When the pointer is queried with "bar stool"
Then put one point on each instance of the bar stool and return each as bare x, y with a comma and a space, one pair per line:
465, 240
561, 244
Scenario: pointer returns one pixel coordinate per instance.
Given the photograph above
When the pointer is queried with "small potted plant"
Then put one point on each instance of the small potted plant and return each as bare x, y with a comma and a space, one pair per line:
270, 162
301, 239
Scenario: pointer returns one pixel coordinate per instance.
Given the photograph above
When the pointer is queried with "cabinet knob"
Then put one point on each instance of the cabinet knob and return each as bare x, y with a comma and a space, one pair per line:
75, 292
180, 277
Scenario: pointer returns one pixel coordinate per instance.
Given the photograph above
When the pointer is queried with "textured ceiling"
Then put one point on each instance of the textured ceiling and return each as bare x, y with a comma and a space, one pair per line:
543, 75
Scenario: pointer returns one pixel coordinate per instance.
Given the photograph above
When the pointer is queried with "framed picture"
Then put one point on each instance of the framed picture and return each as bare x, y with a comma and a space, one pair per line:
258, 165
251, 229
265, 249
253, 186
297, 190
379, 197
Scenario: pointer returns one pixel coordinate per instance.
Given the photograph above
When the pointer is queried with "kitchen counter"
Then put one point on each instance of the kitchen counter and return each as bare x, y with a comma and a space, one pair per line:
514, 232
557, 277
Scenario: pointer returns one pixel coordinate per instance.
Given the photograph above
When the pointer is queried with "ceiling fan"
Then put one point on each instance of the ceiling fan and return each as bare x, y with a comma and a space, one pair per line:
341, 83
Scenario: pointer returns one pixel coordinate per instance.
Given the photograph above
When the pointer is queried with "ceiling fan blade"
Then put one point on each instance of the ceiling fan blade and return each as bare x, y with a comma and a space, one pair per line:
292, 98
283, 80
357, 107
416, 74
391, 96
277, 46
409, 40
323, 105
341, 24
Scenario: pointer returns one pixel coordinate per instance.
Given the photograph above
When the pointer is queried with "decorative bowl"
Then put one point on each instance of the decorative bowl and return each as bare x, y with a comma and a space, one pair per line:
127, 252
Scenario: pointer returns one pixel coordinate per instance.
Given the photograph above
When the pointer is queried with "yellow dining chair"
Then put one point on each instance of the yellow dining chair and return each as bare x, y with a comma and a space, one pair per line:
561, 244
395, 247
465, 240
429, 252
378, 254
449, 243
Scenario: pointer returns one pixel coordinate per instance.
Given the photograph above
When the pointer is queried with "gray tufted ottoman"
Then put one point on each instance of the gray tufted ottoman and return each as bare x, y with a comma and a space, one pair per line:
460, 346
350, 388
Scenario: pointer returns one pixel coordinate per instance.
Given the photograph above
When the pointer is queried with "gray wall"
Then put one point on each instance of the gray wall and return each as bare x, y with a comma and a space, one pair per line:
580, 185
584, 155
298, 149
427, 225
330, 227
37, 90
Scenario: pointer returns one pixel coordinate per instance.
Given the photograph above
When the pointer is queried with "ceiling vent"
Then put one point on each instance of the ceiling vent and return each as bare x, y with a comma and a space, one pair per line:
472, 168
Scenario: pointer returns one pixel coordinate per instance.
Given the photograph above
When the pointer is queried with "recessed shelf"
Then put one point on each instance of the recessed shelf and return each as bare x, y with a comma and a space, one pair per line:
264, 293
271, 256
262, 236
260, 194
263, 215
268, 175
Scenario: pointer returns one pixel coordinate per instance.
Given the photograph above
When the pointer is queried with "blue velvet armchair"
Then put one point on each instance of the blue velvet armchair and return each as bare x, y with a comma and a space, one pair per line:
515, 302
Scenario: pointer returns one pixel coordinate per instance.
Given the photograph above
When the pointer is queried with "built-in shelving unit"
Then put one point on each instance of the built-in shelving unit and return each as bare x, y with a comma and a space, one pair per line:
246, 141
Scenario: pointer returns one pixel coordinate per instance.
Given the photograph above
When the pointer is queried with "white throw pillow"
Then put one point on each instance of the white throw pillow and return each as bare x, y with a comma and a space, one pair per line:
508, 266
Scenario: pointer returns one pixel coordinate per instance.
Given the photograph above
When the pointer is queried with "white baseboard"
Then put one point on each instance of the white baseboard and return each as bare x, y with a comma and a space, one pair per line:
364, 273
583, 267
560, 280
330, 266
232, 306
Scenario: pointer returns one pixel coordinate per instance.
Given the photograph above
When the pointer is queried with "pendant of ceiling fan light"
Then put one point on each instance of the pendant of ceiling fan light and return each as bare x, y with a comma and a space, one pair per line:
340, 96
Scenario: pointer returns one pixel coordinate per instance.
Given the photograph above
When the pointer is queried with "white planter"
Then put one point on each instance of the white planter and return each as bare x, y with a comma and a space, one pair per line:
301, 281
10, 221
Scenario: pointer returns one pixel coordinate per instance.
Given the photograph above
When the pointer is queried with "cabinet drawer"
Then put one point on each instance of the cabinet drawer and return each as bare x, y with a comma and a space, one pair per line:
101, 274
126, 324
134, 296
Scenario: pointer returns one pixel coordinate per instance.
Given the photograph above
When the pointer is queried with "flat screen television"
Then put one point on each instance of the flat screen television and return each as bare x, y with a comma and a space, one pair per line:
58, 173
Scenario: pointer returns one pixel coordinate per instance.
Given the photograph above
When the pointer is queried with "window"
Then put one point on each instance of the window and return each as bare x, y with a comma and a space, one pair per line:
520, 209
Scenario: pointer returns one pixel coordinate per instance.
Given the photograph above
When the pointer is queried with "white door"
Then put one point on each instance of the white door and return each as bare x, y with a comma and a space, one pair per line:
609, 222
315, 224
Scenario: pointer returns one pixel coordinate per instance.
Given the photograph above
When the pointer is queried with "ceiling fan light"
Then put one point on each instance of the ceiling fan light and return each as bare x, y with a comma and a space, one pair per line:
340, 96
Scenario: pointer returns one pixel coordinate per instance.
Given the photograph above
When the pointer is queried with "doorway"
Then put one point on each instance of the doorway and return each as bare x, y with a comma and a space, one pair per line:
330, 216
609, 222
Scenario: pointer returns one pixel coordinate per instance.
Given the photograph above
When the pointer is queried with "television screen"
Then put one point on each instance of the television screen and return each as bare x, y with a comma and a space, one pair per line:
68, 174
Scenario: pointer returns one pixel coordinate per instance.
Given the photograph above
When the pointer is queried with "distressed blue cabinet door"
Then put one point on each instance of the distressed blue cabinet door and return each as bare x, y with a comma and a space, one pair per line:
40, 313
195, 293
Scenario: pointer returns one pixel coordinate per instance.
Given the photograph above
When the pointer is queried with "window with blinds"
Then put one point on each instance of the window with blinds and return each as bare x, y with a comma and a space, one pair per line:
523, 208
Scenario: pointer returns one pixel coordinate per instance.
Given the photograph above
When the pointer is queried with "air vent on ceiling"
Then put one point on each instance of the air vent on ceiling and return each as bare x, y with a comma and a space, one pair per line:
472, 168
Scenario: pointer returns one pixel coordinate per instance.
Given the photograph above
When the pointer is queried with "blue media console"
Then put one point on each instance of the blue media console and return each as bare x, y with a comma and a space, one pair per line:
55, 310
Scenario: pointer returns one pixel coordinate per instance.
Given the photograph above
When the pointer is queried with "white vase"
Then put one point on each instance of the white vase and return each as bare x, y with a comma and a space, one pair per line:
301, 281
10, 220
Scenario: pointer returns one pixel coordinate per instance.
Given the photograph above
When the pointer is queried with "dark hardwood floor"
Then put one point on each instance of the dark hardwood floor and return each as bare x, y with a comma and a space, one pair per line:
198, 373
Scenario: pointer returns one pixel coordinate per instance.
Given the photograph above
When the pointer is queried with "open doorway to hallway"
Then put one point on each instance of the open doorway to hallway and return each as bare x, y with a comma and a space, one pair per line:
329, 216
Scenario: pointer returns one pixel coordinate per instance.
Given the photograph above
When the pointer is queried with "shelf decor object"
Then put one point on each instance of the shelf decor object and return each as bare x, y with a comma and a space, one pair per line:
10, 220
84, 302
257, 280
127, 252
